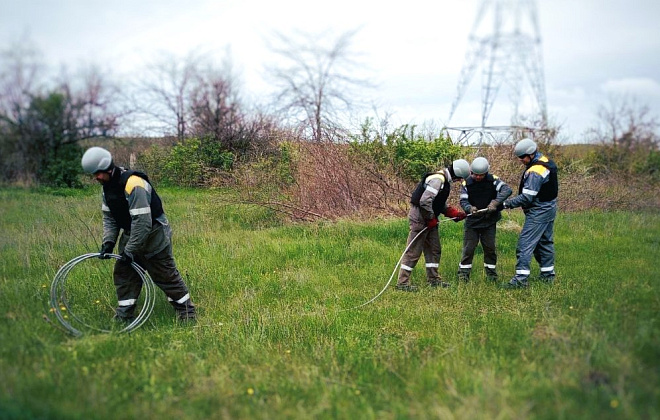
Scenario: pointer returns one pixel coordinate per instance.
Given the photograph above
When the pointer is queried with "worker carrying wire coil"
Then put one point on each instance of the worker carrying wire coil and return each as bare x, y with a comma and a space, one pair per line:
134, 221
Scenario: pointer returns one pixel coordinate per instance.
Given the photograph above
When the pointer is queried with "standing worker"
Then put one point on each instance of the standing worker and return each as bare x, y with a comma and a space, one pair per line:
429, 200
481, 191
131, 204
537, 195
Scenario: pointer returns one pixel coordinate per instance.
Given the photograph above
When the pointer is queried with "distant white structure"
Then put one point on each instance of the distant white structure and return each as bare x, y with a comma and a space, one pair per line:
505, 42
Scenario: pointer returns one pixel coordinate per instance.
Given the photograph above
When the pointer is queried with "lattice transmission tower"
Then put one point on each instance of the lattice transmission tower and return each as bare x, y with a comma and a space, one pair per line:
505, 42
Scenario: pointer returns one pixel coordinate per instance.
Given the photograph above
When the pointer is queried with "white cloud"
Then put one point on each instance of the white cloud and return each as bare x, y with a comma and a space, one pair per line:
639, 87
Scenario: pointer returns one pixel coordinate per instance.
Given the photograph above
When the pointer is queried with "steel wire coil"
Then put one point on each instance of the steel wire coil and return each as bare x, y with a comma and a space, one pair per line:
60, 303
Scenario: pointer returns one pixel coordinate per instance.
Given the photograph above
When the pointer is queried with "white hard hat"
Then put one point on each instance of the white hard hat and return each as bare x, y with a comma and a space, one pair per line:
461, 168
96, 159
525, 147
480, 166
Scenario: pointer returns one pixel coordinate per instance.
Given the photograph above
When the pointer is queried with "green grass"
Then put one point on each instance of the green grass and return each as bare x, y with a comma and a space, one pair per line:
274, 340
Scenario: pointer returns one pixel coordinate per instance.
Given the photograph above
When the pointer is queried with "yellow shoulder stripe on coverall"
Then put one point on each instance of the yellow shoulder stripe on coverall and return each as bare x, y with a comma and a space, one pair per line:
434, 176
539, 169
134, 181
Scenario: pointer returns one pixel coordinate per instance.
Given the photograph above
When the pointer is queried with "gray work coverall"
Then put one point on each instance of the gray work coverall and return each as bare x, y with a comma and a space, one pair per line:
537, 235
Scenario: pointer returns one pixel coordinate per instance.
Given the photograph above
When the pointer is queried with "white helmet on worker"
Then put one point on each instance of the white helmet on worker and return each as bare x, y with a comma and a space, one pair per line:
96, 159
460, 168
480, 166
525, 147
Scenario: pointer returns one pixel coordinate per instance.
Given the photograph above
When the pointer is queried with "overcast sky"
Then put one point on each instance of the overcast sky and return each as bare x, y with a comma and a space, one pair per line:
592, 49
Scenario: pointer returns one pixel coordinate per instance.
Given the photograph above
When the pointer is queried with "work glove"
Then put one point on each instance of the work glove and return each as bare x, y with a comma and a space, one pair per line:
106, 249
492, 206
126, 257
432, 223
454, 213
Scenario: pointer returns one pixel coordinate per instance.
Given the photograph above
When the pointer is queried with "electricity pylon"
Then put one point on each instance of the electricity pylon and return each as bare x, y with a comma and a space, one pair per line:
505, 42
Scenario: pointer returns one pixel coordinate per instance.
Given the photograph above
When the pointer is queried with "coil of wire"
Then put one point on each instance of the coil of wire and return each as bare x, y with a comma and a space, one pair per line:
60, 304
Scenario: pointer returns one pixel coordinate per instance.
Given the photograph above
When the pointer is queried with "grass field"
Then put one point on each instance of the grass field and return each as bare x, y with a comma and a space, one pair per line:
274, 338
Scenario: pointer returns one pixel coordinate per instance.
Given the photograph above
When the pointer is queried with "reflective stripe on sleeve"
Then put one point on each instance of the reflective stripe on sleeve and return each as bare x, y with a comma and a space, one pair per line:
464, 196
142, 210
430, 188
529, 192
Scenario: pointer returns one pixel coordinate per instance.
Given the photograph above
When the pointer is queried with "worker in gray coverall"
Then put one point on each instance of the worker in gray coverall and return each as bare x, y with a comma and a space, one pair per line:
537, 195
131, 205
481, 191
429, 200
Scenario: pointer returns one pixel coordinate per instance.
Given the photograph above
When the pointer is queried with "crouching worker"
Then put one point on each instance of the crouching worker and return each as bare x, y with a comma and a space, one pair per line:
481, 195
131, 205
429, 200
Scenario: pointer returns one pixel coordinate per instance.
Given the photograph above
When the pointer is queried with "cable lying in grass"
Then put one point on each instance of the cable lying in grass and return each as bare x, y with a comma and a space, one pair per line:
59, 301
396, 266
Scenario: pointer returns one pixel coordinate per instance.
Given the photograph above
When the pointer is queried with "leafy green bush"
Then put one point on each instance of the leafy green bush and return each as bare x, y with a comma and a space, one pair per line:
403, 149
62, 167
186, 164
650, 166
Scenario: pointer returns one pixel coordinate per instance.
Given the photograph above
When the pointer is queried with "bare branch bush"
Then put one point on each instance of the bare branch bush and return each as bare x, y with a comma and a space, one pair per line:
628, 135
163, 92
325, 180
315, 82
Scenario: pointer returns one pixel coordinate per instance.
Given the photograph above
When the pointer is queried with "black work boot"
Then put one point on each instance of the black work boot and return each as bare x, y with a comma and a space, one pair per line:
547, 279
185, 311
125, 313
439, 283
123, 319
516, 284
406, 288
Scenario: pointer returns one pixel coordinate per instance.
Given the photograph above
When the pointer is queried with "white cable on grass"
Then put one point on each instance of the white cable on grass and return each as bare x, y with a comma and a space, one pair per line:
395, 267
58, 296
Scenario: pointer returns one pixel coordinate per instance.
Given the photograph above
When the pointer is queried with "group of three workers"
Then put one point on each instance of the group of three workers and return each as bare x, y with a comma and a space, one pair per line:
483, 196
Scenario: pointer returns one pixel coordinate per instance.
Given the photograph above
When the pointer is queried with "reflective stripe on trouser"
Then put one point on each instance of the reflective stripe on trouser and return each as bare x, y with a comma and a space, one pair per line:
535, 239
471, 238
162, 269
428, 243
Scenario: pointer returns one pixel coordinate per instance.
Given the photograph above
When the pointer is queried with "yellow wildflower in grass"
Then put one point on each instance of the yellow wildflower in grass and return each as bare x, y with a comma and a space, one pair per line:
250, 391
614, 403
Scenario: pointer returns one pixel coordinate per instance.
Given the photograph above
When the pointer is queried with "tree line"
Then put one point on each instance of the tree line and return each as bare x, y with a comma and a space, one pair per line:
199, 106
45, 120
